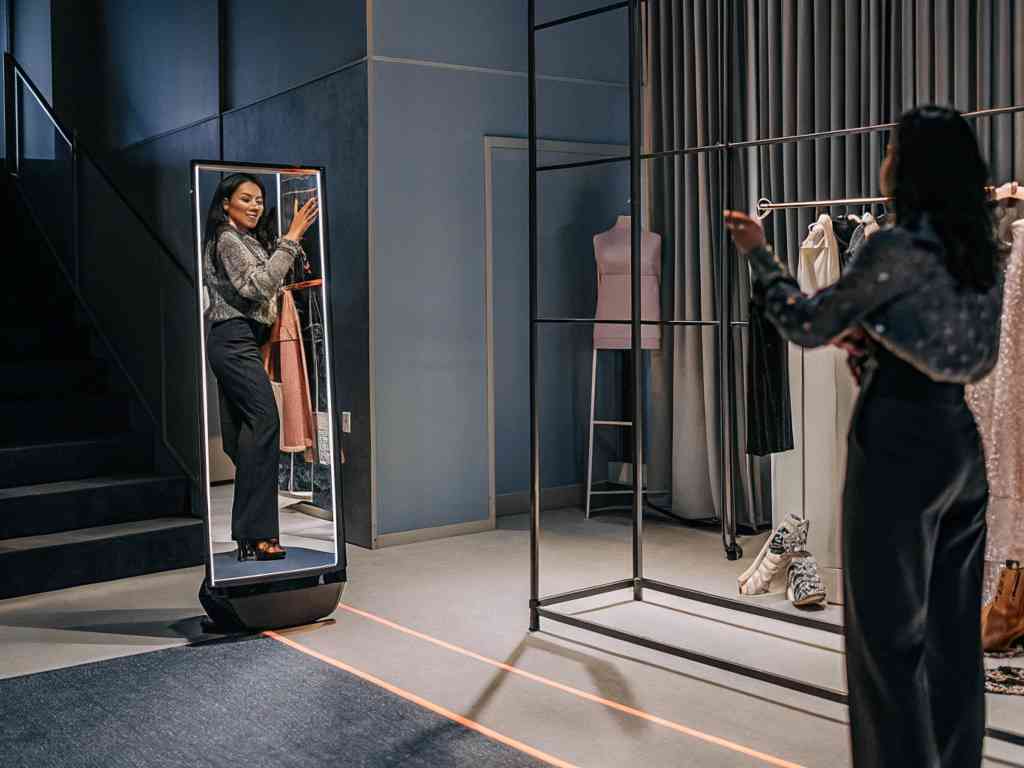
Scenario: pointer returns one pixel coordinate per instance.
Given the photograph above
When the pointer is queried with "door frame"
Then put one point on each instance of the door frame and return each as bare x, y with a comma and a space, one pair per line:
492, 143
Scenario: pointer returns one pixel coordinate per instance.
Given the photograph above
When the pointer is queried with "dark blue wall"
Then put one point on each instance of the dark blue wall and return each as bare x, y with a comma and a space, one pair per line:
127, 70
445, 75
270, 47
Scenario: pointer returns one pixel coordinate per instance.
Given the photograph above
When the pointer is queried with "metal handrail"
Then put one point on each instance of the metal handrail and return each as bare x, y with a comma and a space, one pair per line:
21, 74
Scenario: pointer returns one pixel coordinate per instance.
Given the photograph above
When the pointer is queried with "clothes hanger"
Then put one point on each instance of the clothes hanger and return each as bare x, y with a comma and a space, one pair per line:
1012, 190
302, 284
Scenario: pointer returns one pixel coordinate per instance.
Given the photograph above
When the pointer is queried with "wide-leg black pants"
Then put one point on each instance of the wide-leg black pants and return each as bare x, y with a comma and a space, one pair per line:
250, 425
914, 539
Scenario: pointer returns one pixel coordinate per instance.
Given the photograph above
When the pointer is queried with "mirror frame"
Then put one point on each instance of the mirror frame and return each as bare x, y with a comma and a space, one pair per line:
204, 503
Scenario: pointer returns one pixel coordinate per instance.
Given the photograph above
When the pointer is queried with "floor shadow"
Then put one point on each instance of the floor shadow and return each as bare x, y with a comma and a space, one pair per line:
182, 624
608, 681
696, 678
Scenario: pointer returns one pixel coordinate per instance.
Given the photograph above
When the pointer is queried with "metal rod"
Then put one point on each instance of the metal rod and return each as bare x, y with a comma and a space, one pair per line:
585, 163
725, 388
701, 658
76, 213
534, 406
579, 594
41, 100
583, 15
669, 153
772, 141
1000, 735
742, 606
636, 243
839, 132
10, 120
592, 320
764, 204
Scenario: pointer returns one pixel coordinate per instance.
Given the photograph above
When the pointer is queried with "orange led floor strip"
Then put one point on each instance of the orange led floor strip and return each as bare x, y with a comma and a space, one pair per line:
426, 704
633, 711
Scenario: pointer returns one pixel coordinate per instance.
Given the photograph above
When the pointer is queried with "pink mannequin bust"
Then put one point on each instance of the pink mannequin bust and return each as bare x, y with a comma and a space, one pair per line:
614, 297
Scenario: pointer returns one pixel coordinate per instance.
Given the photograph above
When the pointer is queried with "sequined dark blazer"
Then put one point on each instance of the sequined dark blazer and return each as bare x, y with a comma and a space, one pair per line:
898, 289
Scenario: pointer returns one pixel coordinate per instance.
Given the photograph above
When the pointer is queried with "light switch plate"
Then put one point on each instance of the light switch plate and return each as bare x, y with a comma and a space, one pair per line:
346, 422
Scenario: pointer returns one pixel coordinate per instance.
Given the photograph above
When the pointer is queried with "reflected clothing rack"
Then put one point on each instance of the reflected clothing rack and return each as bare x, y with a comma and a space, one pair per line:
542, 606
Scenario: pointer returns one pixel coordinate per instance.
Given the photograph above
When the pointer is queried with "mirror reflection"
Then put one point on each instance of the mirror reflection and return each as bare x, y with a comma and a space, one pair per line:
269, 413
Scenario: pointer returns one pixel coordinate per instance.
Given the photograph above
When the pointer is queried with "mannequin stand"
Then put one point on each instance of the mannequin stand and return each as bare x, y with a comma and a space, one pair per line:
628, 490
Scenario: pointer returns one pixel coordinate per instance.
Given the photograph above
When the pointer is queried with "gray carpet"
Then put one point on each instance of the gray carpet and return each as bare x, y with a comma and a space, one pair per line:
252, 702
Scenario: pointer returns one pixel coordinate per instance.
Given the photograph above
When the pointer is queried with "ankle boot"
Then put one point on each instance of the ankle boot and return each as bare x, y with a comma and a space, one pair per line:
1002, 620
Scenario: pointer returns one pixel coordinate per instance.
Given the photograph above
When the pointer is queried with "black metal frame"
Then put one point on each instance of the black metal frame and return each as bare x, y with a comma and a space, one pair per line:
540, 606
336, 474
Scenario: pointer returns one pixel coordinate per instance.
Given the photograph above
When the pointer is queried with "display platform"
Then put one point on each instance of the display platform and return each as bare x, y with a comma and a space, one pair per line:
298, 559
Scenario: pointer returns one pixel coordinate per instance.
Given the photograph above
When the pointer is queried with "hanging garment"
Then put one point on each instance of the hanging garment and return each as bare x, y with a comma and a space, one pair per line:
284, 359
808, 482
769, 410
998, 405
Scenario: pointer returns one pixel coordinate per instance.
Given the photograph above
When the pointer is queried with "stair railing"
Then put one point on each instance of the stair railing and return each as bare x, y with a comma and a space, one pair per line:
141, 306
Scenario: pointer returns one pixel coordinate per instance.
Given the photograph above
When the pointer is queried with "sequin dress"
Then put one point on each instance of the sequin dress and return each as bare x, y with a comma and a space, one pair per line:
998, 405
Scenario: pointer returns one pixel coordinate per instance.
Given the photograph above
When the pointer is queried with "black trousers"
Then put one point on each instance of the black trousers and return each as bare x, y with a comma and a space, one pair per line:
250, 425
914, 540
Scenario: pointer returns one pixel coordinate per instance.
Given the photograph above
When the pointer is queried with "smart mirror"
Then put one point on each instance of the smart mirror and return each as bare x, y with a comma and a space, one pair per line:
270, 449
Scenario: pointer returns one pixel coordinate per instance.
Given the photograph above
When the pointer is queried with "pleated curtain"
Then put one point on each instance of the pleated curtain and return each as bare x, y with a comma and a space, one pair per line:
794, 66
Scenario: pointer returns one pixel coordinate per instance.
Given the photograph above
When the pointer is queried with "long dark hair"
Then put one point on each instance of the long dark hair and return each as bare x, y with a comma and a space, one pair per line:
216, 217
938, 170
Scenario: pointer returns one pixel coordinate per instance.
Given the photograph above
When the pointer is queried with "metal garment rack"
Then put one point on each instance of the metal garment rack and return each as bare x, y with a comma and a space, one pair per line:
542, 606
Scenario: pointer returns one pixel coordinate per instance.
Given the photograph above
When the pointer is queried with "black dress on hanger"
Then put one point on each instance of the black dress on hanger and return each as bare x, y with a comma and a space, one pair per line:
769, 411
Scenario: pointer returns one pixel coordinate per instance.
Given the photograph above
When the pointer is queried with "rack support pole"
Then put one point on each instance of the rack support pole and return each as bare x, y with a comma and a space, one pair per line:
534, 408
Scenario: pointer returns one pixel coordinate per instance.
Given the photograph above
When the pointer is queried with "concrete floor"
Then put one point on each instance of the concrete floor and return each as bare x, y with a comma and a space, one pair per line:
471, 593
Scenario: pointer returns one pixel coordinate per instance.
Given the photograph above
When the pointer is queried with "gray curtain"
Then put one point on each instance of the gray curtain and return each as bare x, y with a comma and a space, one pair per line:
794, 66
688, 106
844, 63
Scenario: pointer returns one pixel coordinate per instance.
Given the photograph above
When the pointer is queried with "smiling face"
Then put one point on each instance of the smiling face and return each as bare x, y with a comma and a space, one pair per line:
245, 206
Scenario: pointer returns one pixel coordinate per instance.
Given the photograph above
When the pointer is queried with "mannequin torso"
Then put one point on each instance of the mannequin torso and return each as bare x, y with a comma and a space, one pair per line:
614, 292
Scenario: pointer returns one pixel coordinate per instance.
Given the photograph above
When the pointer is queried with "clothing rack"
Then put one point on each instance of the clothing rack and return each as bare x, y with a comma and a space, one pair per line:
542, 606
766, 206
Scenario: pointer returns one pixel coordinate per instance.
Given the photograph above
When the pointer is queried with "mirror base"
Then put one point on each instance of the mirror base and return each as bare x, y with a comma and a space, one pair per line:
274, 605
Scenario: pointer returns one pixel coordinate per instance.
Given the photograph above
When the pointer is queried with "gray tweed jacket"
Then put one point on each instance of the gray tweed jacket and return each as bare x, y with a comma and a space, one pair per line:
242, 279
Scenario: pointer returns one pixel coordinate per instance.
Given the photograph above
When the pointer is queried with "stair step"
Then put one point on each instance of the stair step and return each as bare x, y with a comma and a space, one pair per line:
38, 305
69, 339
34, 510
52, 419
36, 377
34, 564
128, 452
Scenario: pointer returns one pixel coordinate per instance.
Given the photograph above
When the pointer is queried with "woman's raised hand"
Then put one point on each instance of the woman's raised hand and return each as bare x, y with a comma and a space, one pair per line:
746, 231
303, 218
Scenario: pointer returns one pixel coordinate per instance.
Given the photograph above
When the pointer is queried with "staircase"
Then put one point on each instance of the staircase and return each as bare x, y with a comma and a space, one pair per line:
80, 498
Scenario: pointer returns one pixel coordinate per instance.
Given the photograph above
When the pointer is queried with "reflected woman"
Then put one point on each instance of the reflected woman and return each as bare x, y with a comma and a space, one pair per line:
243, 271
